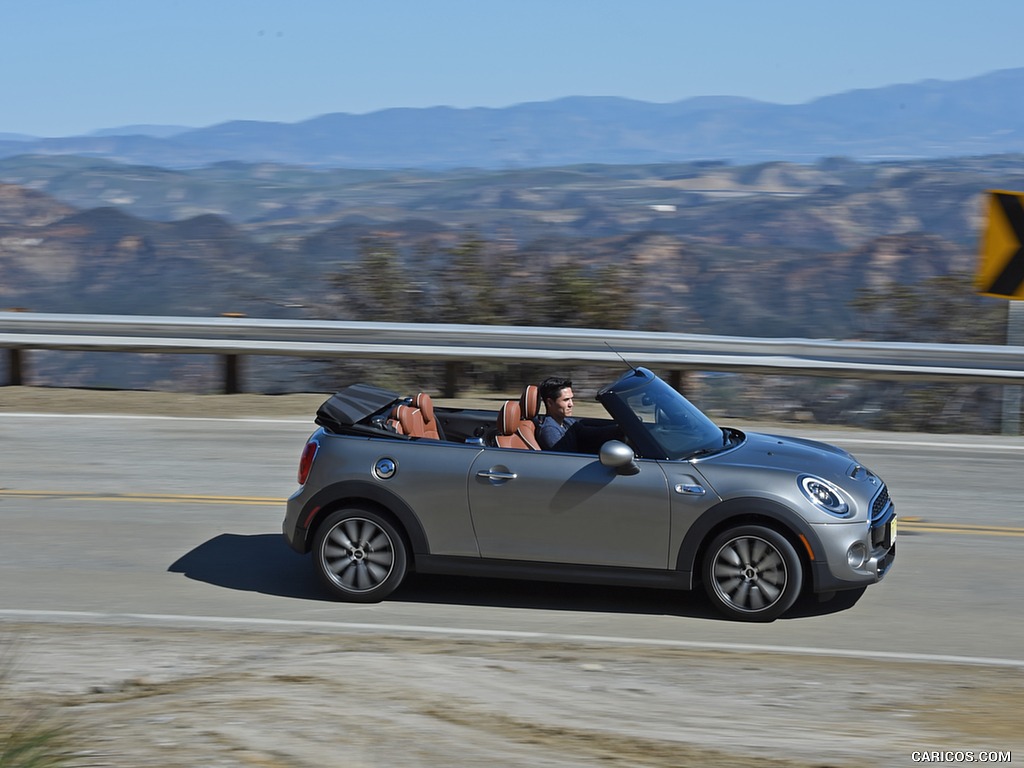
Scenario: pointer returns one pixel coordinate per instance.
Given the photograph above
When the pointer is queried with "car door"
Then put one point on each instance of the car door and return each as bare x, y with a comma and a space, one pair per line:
568, 508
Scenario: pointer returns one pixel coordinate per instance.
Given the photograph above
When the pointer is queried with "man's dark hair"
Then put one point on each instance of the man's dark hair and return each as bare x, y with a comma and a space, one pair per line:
551, 386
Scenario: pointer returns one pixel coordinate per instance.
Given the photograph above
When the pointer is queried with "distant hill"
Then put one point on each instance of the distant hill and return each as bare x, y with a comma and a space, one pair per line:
977, 116
158, 131
765, 249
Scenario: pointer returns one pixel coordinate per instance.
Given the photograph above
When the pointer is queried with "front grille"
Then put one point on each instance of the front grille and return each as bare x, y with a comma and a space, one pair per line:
882, 515
880, 507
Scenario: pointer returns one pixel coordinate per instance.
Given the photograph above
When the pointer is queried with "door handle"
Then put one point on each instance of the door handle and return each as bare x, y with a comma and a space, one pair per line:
690, 489
491, 474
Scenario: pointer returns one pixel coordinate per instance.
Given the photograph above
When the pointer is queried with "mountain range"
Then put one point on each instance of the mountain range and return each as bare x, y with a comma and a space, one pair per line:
977, 116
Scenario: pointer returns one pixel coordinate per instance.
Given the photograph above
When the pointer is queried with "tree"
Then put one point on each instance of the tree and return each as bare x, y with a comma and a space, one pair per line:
376, 287
468, 284
940, 310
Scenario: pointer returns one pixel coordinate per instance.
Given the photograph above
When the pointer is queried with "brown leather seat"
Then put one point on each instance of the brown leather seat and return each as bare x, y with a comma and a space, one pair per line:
416, 420
529, 407
510, 433
393, 421
431, 427
410, 420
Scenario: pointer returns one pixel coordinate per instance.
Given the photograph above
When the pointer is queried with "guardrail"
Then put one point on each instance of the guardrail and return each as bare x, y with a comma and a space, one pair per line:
233, 337
674, 353
458, 343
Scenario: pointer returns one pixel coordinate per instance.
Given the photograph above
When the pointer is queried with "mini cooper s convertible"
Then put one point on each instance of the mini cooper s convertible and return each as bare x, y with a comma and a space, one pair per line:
391, 484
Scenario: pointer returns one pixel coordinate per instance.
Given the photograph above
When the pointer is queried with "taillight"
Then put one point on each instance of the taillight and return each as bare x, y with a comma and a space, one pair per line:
306, 460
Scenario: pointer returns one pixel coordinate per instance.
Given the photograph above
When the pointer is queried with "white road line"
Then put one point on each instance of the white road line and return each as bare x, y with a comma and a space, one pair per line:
999, 448
224, 621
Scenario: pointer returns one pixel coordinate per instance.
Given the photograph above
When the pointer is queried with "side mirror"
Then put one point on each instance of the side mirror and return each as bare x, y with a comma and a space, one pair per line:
620, 457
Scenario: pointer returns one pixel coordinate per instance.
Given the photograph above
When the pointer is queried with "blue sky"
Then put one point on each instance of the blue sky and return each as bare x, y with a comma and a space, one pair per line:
73, 66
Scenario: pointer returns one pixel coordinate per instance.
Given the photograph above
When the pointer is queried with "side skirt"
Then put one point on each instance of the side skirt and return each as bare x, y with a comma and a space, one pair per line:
530, 571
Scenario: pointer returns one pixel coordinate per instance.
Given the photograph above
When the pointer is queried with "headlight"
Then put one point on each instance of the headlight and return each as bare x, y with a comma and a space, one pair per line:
824, 495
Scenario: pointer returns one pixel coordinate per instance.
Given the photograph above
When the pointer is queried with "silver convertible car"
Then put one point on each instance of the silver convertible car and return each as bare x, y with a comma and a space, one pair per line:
391, 484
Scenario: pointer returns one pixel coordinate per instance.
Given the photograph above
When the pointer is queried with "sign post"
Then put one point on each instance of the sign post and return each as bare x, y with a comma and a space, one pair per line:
1001, 273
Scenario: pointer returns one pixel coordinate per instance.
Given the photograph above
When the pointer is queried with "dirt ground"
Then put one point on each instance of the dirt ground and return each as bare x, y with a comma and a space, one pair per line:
142, 696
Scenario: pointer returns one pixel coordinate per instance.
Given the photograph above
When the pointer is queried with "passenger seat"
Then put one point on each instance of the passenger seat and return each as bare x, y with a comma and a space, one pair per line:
529, 407
410, 420
431, 426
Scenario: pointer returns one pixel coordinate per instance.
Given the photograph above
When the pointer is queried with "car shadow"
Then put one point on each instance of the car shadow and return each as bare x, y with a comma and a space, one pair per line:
263, 563
251, 563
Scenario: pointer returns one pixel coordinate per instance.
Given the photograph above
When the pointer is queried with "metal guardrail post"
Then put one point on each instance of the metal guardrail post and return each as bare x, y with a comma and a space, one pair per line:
451, 379
232, 364
1011, 424
231, 378
14, 367
677, 380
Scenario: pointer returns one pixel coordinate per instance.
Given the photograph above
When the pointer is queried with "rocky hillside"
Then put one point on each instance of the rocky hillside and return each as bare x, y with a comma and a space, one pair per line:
768, 249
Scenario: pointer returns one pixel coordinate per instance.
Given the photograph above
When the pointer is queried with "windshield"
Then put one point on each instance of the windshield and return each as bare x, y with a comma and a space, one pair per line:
672, 421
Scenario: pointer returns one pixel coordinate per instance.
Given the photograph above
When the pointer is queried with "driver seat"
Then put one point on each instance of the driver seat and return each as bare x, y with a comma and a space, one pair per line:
510, 432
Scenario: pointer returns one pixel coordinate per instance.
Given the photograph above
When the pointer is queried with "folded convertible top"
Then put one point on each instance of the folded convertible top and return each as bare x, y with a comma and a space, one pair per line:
353, 403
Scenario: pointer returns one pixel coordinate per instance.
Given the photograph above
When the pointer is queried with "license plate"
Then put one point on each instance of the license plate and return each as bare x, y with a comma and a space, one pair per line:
892, 531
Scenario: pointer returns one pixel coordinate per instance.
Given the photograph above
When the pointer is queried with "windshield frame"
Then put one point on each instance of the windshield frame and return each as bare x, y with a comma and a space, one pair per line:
659, 421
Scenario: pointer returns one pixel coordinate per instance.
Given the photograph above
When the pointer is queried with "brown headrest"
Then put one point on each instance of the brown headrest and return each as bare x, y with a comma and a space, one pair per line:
529, 402
426, 405
508, 418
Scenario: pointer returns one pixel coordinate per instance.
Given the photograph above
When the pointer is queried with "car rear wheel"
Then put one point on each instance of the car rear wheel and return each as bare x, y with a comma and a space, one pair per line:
752, 573
359, 555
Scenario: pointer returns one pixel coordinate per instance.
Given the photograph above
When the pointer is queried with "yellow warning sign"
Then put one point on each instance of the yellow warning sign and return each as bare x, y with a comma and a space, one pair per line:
1001, 262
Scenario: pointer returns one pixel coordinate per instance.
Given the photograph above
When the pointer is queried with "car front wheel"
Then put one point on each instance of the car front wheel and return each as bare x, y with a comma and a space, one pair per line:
359, 555
752, 573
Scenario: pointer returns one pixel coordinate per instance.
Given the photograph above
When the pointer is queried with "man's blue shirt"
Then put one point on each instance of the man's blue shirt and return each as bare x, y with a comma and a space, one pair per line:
551, 434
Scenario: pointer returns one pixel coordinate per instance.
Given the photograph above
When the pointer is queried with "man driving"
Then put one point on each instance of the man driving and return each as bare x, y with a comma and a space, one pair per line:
553, 433
559, 430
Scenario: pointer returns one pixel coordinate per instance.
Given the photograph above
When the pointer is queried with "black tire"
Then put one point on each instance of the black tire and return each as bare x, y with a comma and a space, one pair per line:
752, 573
359, 555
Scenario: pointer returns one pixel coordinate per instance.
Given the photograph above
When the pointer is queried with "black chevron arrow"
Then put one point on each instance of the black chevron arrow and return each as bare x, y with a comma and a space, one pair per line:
1010, 279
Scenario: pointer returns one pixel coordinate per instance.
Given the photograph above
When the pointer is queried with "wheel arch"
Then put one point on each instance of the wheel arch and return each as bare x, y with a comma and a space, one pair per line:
748, 511
361, 493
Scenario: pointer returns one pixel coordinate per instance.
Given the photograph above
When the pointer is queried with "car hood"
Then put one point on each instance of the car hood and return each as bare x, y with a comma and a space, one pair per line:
786, 454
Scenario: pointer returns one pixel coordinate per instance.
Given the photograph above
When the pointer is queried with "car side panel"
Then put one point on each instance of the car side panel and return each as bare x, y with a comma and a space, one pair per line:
429, 479
568, 508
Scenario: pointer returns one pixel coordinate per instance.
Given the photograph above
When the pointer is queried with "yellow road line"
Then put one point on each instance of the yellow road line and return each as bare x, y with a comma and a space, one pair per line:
906, 524
969, 530
916, 524
149, 498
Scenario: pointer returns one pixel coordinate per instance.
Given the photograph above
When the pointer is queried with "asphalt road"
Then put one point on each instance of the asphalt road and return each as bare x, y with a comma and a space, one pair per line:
129, 514
174, 523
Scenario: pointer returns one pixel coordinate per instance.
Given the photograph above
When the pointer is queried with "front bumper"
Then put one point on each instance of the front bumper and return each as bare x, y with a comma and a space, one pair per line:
855, 554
